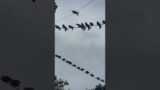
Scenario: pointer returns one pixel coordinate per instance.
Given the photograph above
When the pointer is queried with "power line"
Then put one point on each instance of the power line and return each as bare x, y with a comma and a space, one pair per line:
79, 68
83, 26
82, 7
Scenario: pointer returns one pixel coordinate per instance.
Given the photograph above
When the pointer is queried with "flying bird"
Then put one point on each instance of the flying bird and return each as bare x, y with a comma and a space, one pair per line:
71, 27
88, 26
58, 27
99, 25
75, 12
91, 23
64, 27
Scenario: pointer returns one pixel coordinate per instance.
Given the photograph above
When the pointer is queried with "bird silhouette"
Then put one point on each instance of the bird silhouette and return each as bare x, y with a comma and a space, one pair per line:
87, 72
103, 22
99, 25
64, 27
78, 68
91, 75
98, 78
63, 59
58, 56
102, 80
91, 23
55, 6
83, 26
82, 69
71, 27
75, 12
88, 26
28, 88
58, 27
74, 65
79, 25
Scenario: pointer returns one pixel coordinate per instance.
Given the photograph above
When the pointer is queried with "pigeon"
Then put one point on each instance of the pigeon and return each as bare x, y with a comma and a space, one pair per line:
74, 65
78, 68
98, 78
103, 22
58, 27
83, 26
91, 23
87, 72
64, 27
82, 69
63, 59
102, 80
75, 12
58, 56
88, 26
71, 27
99, 25
91, 75
79, 25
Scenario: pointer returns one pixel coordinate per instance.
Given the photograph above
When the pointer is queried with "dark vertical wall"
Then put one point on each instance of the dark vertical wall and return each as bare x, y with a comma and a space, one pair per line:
26, 42
134, 50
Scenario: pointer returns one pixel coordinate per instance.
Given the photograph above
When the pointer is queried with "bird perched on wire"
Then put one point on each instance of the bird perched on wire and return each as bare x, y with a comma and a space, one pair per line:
91, 23
63, 59
99, 25
79, 25
71, 27
83, 26
64, 27
88, 26
74, 65
87, 72
91, 75
78, 68
58, 27
75, 12
82, 69
98, 78
103, 22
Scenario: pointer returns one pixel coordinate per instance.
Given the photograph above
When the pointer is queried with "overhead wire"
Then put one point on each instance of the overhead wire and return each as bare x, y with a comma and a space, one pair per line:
68, 15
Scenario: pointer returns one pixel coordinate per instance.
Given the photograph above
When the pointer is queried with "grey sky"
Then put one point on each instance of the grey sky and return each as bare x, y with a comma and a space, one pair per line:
85, 49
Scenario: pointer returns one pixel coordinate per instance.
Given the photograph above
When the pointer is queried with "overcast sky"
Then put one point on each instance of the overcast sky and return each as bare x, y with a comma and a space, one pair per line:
84, 48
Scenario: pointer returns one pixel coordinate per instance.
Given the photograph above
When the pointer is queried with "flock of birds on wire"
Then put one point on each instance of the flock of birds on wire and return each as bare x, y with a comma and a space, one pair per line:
79, 68
13, 82
83, 26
